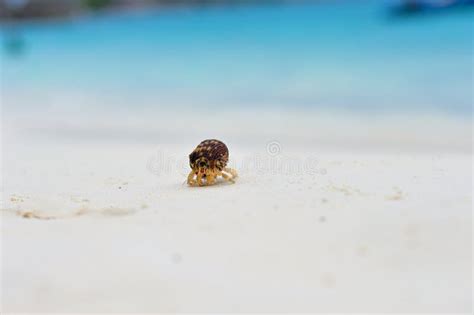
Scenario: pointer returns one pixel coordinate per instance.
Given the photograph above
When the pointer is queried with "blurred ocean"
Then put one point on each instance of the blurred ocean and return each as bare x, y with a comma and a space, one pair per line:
352, 56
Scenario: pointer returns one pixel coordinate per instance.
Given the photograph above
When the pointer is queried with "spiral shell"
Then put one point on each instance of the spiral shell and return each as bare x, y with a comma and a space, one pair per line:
214, 151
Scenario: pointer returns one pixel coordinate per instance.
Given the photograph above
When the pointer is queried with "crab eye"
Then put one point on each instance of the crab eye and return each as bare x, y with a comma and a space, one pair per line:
202, 164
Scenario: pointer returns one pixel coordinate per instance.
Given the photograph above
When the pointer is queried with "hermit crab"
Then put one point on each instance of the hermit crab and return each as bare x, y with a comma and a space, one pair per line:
208, 161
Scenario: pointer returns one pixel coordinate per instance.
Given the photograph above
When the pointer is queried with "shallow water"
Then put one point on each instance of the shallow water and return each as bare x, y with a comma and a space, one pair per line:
354, 56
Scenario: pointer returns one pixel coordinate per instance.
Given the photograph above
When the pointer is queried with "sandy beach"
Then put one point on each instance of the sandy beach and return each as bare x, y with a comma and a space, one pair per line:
349, 123
328, 214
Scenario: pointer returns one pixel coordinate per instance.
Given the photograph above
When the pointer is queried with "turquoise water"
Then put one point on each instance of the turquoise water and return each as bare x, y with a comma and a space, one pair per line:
348, 55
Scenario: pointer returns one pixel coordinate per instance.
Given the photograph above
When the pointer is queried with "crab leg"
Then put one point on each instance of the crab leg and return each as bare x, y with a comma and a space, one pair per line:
199, 179
231, 171
191, 180
210, 179
227, 177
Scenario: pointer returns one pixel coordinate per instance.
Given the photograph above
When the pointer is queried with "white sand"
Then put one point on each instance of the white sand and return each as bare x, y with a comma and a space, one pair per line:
346, 215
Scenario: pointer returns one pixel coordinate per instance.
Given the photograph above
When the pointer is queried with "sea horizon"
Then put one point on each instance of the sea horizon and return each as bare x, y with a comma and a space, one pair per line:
324, 56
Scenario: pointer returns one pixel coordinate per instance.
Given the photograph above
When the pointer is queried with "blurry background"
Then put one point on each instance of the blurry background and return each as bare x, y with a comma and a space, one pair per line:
360, 56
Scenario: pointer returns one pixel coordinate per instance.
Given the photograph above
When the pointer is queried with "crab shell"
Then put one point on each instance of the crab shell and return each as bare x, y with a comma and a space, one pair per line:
213, 152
